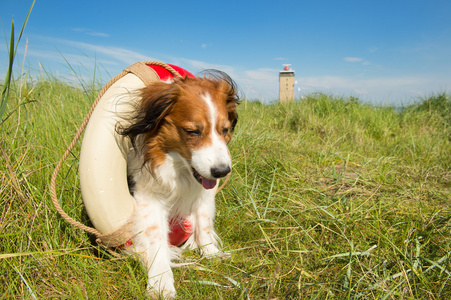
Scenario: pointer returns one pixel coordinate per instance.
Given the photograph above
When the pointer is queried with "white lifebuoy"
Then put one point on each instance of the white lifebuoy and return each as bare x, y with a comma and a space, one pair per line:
103, 159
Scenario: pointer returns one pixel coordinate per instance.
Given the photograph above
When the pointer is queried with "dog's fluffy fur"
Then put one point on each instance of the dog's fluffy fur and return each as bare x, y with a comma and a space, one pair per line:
179, 134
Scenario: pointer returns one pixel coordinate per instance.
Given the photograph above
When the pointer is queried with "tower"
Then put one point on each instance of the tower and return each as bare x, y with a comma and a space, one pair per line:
286, 84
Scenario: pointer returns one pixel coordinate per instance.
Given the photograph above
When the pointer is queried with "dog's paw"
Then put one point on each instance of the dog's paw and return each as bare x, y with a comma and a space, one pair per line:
161, 287
220, 255
211, 251
160, 294
208, 250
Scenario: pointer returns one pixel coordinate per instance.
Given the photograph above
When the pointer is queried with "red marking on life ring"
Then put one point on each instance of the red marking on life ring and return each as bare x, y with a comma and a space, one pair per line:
166, 75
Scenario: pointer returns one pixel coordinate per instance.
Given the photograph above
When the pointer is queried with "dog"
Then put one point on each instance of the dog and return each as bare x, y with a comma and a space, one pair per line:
179, 135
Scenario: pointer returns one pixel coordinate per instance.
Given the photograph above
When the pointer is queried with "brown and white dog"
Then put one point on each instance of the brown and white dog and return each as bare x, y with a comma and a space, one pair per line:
179, 134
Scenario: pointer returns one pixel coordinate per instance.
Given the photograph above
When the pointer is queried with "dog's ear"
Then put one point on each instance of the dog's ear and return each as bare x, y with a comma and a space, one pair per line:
225, 84
229, 88
233, 115
155, 102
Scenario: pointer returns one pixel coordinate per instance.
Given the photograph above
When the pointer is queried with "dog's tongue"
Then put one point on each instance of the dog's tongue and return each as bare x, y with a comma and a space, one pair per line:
208, 183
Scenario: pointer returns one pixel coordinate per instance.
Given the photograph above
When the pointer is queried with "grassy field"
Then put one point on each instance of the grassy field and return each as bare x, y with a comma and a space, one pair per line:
329, 199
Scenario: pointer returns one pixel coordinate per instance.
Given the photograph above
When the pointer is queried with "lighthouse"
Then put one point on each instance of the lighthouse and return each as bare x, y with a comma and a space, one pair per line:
286, 84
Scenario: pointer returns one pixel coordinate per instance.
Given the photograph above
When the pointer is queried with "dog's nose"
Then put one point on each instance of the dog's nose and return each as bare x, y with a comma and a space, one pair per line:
220, 171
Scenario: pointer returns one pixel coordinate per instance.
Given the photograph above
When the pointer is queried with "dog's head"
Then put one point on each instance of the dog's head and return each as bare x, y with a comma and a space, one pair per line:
194, 117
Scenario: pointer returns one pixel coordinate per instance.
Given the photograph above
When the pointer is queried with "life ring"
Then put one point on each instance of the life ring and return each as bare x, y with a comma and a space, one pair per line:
103, 157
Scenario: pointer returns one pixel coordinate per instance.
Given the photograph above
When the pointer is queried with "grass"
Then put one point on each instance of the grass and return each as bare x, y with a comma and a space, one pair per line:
329, 198
11, 49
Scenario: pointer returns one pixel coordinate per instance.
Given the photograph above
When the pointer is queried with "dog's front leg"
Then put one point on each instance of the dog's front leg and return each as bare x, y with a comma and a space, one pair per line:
151, 244
204, 236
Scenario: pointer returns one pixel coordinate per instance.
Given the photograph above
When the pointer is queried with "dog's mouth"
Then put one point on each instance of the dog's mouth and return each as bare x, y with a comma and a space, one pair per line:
206, 183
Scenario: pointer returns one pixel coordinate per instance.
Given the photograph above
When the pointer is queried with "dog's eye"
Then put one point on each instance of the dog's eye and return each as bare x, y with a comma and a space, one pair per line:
225, 131
193, 132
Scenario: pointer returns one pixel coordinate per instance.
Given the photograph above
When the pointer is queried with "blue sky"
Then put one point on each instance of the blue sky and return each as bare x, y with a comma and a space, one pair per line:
384, 52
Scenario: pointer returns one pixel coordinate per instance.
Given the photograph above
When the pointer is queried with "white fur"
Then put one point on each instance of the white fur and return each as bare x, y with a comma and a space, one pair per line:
215, 154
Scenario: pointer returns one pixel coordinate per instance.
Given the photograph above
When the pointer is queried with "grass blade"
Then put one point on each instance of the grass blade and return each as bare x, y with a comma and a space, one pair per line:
12, 53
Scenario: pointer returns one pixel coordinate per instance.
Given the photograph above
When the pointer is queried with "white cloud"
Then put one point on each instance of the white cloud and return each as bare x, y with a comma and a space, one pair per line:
264, 75
261, 84
101, 34
64, 58
357, 60
90, 32
387, 90
353, 59
196, 66
361, 91
121, 54
116, 53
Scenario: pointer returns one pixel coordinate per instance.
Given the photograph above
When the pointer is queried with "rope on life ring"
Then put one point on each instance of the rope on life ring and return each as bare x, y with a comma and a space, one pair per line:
121, 235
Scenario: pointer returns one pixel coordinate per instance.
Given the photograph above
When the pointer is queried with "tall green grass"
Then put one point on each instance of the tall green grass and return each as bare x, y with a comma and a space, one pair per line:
329, 198
12, 49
